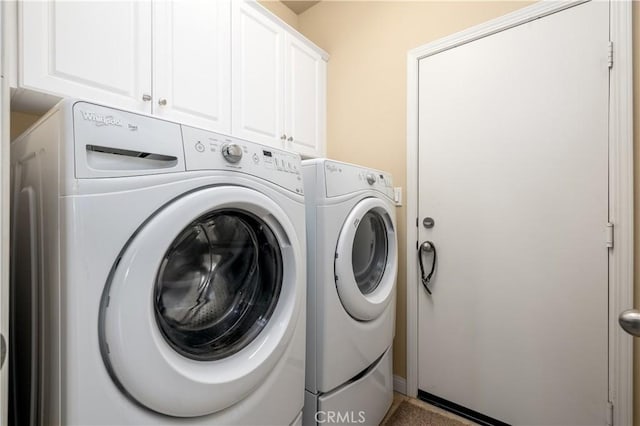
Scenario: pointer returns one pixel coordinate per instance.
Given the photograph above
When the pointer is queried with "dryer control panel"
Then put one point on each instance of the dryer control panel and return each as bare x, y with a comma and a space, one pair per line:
343, 178
206, 150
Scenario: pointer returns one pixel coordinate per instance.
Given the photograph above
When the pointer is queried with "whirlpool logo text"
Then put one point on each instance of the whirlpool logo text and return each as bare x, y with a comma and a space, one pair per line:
340, 417
101, 120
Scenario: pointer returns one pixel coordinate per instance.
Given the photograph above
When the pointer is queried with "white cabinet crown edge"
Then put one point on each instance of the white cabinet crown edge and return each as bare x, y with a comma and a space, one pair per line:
292, 31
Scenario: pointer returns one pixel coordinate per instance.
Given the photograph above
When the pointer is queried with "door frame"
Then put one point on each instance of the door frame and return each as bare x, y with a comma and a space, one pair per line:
4, 209
621, 261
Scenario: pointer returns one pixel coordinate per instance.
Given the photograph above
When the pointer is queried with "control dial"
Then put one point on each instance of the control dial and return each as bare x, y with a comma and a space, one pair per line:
232, 152
371, 178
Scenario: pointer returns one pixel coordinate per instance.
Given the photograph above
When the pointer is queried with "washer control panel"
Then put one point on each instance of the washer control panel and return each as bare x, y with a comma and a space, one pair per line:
206, 150
371, 178
343, 178
232, 152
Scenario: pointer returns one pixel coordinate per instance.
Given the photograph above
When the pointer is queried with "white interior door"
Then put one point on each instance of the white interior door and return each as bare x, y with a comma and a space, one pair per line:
513, 157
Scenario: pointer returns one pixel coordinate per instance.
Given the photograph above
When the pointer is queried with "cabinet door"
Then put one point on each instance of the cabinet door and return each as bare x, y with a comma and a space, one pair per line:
257, 91
305, 99
192, 62
95, 50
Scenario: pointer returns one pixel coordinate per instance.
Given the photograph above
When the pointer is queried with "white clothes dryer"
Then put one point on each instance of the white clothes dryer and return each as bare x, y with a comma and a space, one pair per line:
158, 274
352, 266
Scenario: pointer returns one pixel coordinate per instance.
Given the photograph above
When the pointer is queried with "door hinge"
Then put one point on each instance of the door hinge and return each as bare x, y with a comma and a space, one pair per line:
609, 414
610, 55
609, 234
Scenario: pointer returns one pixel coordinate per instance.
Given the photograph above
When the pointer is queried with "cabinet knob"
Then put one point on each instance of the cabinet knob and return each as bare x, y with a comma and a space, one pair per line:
290, 139
162, 101
146, 97
283, 137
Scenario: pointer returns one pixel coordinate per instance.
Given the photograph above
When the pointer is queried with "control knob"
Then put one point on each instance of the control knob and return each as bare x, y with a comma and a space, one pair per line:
232, 152
371, 178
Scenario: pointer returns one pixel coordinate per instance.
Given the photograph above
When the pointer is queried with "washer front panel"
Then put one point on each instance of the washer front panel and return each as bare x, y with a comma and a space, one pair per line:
367, 259
199, 306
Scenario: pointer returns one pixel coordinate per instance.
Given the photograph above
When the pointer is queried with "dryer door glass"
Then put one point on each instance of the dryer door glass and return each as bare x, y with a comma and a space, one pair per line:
218, 284
369, 253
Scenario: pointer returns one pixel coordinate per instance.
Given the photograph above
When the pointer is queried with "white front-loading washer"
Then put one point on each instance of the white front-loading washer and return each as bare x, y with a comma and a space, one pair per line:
158, 274
352, 266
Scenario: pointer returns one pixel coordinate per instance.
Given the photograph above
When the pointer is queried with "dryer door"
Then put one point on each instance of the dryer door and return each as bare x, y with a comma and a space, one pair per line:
366, 262
201, 304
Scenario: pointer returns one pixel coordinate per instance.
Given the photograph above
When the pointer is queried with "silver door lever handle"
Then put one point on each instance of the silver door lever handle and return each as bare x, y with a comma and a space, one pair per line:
630, 322
3, 350
427, 247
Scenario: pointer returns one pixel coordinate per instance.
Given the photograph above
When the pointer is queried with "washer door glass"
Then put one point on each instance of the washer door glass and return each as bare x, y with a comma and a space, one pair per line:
218, 284
369, 252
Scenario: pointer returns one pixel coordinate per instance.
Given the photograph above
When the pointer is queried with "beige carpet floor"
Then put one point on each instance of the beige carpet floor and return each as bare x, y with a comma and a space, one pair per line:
411, 412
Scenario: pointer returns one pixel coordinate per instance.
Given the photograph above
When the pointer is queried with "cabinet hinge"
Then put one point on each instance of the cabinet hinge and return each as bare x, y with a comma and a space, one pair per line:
610, 414
417, 222
610, 55
610, 234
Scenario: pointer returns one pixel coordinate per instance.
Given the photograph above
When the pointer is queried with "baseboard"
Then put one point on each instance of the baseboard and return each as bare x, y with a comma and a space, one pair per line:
459, 410
400, 384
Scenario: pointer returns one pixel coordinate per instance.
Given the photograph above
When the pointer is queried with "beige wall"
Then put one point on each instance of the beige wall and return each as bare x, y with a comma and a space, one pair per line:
281, 11
366, 111
366, 100
19, 122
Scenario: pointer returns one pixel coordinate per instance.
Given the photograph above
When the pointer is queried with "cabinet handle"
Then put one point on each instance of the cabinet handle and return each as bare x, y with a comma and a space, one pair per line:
283, 137
162, 101
290, 139
146, 97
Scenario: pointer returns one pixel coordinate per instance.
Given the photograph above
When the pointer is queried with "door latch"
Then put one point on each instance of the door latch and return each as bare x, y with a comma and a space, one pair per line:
426, 248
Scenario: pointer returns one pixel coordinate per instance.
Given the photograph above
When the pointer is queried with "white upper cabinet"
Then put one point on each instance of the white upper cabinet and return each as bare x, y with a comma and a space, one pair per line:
258, 77
278, 83
191, 62
305, 99
90, 50
102, 51
225, 65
